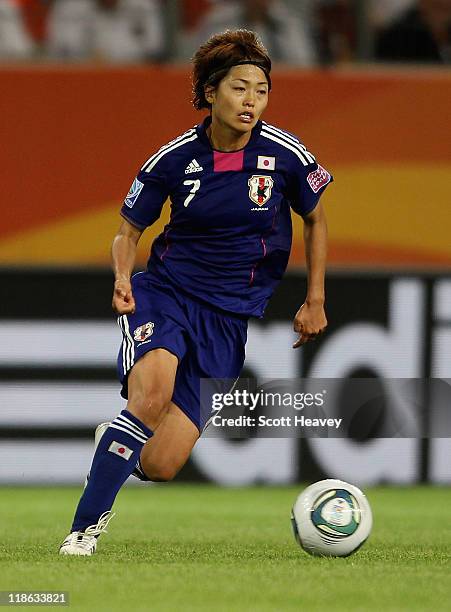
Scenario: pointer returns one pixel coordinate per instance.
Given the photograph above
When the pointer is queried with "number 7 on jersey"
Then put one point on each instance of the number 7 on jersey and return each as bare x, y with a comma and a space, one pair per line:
195, 186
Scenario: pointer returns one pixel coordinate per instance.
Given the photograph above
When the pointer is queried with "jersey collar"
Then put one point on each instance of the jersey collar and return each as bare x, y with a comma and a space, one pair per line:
202, 127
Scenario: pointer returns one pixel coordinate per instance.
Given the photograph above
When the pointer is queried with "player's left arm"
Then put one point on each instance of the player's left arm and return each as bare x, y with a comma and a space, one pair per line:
310, 319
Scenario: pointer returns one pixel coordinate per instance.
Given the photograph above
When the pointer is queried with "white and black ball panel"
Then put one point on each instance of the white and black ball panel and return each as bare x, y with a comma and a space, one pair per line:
331, 518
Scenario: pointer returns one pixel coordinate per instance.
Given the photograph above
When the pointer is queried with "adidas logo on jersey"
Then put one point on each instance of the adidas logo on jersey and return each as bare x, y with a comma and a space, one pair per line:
193, 166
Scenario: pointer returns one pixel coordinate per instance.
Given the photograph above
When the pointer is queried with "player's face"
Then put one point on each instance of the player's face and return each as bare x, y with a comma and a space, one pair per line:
240, 98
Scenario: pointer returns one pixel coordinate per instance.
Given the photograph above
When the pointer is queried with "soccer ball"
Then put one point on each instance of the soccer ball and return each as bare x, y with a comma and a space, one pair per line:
331, 518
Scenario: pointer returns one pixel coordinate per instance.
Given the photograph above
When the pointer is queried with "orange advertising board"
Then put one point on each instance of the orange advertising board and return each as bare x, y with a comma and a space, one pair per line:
72, 140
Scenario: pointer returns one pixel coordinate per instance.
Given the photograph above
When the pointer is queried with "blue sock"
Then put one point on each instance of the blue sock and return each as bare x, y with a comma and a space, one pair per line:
114, 460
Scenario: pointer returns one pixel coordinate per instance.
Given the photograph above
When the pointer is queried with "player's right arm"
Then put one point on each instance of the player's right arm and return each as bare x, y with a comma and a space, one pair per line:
141, 208
123, 253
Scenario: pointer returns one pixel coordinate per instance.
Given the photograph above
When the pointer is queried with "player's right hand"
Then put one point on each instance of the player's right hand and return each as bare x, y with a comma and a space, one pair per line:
123, 300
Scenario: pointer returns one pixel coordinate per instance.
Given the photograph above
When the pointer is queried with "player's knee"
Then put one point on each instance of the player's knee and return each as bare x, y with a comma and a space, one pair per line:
157, 402
149, 406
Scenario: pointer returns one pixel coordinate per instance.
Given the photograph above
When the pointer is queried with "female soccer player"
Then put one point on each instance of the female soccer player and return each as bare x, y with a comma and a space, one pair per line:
232, 181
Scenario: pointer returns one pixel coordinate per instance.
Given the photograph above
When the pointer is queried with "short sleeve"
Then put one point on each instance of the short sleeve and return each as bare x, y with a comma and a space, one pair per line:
306, 184
144, 201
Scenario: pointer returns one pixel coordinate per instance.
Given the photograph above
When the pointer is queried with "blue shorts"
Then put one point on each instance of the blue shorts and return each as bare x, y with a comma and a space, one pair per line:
208, 342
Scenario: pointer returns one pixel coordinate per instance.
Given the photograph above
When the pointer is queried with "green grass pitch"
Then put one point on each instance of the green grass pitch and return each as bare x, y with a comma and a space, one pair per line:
195, 548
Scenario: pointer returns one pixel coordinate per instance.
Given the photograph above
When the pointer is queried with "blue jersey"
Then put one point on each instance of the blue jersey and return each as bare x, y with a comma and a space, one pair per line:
229, 236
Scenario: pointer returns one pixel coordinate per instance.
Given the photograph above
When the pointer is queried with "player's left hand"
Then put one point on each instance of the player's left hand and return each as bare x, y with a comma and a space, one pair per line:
310, 321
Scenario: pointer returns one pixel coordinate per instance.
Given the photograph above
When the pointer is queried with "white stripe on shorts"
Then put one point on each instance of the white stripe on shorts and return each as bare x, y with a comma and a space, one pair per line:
128, 346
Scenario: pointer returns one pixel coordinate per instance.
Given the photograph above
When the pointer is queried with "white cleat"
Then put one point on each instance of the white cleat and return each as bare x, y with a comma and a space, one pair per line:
100, 430
84, 543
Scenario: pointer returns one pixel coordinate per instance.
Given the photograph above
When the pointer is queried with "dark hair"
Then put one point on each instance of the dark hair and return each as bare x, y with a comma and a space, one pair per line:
214, 58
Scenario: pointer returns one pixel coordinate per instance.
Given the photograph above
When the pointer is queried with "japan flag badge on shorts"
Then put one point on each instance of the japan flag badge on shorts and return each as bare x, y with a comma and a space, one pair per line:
143, 332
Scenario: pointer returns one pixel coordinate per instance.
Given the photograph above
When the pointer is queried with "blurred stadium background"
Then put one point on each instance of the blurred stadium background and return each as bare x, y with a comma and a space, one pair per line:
89, 89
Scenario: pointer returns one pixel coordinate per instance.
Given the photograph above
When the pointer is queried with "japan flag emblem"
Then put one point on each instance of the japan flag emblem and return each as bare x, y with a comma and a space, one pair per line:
120, 450
265, 162
260, 188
